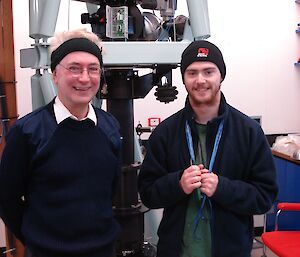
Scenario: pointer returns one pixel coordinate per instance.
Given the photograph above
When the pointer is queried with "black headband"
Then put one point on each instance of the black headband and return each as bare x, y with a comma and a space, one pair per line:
74, 45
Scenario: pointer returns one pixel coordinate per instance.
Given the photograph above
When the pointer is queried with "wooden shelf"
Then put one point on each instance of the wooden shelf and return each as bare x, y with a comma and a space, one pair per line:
285, 157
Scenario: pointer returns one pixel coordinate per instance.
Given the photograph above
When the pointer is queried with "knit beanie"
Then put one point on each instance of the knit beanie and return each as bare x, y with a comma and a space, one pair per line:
202, 51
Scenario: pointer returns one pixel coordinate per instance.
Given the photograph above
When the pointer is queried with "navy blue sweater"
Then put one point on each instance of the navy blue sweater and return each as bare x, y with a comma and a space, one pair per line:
247, 180
57, 184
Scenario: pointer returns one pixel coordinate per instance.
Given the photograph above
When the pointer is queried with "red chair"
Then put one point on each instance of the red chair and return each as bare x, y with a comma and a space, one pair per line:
283, 243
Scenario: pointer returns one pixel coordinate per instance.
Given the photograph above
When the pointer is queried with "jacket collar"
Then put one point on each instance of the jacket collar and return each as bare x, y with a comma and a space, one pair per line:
222, 113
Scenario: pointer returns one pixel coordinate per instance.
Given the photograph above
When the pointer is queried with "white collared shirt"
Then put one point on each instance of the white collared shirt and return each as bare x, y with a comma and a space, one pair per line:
62, 113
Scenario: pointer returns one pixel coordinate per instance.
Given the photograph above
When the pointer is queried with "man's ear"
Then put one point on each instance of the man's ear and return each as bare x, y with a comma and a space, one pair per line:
54, 76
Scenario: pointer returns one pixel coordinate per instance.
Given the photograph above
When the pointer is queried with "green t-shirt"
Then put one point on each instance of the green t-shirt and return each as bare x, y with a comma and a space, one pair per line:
197, 242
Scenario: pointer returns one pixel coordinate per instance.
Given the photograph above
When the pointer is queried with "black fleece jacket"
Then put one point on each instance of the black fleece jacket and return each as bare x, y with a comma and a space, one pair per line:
246, 172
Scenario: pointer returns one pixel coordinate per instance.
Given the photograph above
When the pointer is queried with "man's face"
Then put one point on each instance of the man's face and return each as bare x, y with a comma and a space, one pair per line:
77, 90
203, 81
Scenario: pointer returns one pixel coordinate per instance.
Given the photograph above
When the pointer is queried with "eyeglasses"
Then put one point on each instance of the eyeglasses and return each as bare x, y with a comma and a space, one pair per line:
77, 70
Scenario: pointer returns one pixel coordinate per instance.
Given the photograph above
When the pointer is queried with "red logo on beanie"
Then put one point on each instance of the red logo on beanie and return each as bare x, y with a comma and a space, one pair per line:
202, 52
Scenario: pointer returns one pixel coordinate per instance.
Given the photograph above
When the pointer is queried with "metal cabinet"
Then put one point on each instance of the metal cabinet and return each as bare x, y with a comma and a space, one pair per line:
288, 177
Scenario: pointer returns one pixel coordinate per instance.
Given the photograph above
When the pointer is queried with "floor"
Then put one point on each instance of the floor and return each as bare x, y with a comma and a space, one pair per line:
258, 250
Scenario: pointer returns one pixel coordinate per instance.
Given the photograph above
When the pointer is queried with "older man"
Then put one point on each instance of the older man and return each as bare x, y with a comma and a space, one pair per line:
61, 162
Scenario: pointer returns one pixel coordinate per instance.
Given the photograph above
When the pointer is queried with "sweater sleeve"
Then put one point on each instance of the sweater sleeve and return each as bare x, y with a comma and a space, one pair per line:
14, 163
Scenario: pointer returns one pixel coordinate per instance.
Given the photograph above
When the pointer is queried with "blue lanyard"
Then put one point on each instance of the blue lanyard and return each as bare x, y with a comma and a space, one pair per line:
216, 144
211, 164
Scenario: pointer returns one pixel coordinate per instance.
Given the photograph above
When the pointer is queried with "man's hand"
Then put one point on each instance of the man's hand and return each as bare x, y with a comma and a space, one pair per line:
191, 178
209, 182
